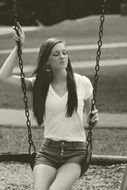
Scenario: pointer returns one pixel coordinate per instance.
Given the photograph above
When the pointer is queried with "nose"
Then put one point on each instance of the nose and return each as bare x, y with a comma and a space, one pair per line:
61, 55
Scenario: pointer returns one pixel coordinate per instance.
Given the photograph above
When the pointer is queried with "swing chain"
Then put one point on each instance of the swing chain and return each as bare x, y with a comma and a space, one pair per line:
96, 76
23, 84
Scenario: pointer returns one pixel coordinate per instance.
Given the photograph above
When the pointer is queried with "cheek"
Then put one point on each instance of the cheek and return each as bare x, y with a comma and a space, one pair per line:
52, 62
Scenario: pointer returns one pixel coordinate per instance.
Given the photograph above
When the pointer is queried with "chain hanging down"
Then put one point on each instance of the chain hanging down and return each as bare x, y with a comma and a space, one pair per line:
23, 85
96, 77
93, 102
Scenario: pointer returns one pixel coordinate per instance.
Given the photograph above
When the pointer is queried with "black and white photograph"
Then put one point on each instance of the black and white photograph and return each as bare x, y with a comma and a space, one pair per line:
63, 95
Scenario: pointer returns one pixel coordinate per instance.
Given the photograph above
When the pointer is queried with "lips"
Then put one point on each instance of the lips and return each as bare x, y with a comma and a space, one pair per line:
63, 61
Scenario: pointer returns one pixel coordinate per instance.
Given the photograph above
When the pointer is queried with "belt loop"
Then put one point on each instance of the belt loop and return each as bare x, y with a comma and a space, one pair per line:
47, 141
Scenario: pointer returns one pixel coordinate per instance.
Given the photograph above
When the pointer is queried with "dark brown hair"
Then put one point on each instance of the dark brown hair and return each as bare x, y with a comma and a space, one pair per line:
44, 78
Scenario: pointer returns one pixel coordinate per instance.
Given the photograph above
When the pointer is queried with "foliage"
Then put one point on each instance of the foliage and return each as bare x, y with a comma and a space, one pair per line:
51, 12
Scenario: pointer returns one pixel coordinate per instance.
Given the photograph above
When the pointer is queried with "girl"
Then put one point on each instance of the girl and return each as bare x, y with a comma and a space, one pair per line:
60, 99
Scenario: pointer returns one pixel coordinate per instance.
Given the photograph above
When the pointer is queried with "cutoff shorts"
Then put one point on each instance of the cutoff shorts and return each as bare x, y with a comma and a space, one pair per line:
56, 153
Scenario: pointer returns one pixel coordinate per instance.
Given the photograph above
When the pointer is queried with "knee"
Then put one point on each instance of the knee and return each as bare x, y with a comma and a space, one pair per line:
59, 186
52, 187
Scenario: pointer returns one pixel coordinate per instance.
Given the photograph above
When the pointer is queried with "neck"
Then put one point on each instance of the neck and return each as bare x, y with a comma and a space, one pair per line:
59, 76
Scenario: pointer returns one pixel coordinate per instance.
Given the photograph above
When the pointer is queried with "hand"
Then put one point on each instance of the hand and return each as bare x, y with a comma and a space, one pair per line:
93, 117
19, 34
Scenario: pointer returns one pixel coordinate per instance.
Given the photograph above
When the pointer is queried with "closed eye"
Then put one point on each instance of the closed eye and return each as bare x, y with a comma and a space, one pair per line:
57, 53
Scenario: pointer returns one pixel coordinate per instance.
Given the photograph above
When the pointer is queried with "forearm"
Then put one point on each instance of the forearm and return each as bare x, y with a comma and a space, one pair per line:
9, 64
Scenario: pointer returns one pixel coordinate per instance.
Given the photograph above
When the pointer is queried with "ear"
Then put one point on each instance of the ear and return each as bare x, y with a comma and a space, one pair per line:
48, 69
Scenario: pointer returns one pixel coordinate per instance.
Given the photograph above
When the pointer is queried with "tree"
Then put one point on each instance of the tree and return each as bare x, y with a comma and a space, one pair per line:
53, 11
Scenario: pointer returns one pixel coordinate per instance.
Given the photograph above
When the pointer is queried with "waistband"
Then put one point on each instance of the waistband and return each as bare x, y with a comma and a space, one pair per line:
64, 143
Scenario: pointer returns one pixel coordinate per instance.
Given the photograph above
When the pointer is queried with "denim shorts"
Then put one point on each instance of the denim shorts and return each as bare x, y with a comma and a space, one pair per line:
56, 153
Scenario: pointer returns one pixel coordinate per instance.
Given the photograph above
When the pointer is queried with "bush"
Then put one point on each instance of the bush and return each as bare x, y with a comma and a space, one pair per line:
123, 8
51, 12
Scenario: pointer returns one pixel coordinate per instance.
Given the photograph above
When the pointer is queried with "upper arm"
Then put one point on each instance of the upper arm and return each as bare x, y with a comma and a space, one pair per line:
15, 81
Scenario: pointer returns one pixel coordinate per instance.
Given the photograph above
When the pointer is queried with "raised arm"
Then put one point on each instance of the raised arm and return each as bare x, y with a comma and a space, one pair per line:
6, 71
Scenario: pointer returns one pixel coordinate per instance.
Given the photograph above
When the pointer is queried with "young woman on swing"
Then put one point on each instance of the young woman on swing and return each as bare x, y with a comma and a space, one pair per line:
60, 100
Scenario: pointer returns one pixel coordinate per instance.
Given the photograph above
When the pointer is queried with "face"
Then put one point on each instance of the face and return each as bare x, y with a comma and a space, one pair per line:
58, 58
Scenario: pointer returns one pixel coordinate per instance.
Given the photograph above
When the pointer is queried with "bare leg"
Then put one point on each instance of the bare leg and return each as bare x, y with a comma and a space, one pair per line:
66, 177
43, 176
124, 181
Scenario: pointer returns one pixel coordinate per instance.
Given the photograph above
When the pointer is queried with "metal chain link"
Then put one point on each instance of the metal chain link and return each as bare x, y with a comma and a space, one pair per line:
23, 84
96, 76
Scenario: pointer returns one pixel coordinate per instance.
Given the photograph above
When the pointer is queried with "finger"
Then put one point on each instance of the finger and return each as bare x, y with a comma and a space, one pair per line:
95, 115
14, 29
15, 34
94, 119
94, 111
94, 123
17, 40
19, 26
16, 37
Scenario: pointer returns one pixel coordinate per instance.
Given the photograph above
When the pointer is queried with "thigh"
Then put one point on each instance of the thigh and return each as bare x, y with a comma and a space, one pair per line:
43, 176
124, 180
66, 176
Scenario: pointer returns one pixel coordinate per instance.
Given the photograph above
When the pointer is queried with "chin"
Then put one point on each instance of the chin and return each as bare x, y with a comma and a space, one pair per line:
64, 67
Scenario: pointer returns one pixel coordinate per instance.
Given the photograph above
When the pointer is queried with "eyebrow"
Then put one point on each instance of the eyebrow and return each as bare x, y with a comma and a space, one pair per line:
59, 50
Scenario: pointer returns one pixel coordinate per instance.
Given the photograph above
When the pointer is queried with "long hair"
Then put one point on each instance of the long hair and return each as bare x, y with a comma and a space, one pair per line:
43, 80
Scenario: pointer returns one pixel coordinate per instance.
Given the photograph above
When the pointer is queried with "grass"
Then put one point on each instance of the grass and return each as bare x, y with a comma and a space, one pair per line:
82, 55
83, 31
111, 93
105, 141
112, 88
111, 97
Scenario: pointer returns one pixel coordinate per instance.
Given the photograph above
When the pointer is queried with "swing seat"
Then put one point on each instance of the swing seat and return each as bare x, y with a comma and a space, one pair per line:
32, 159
